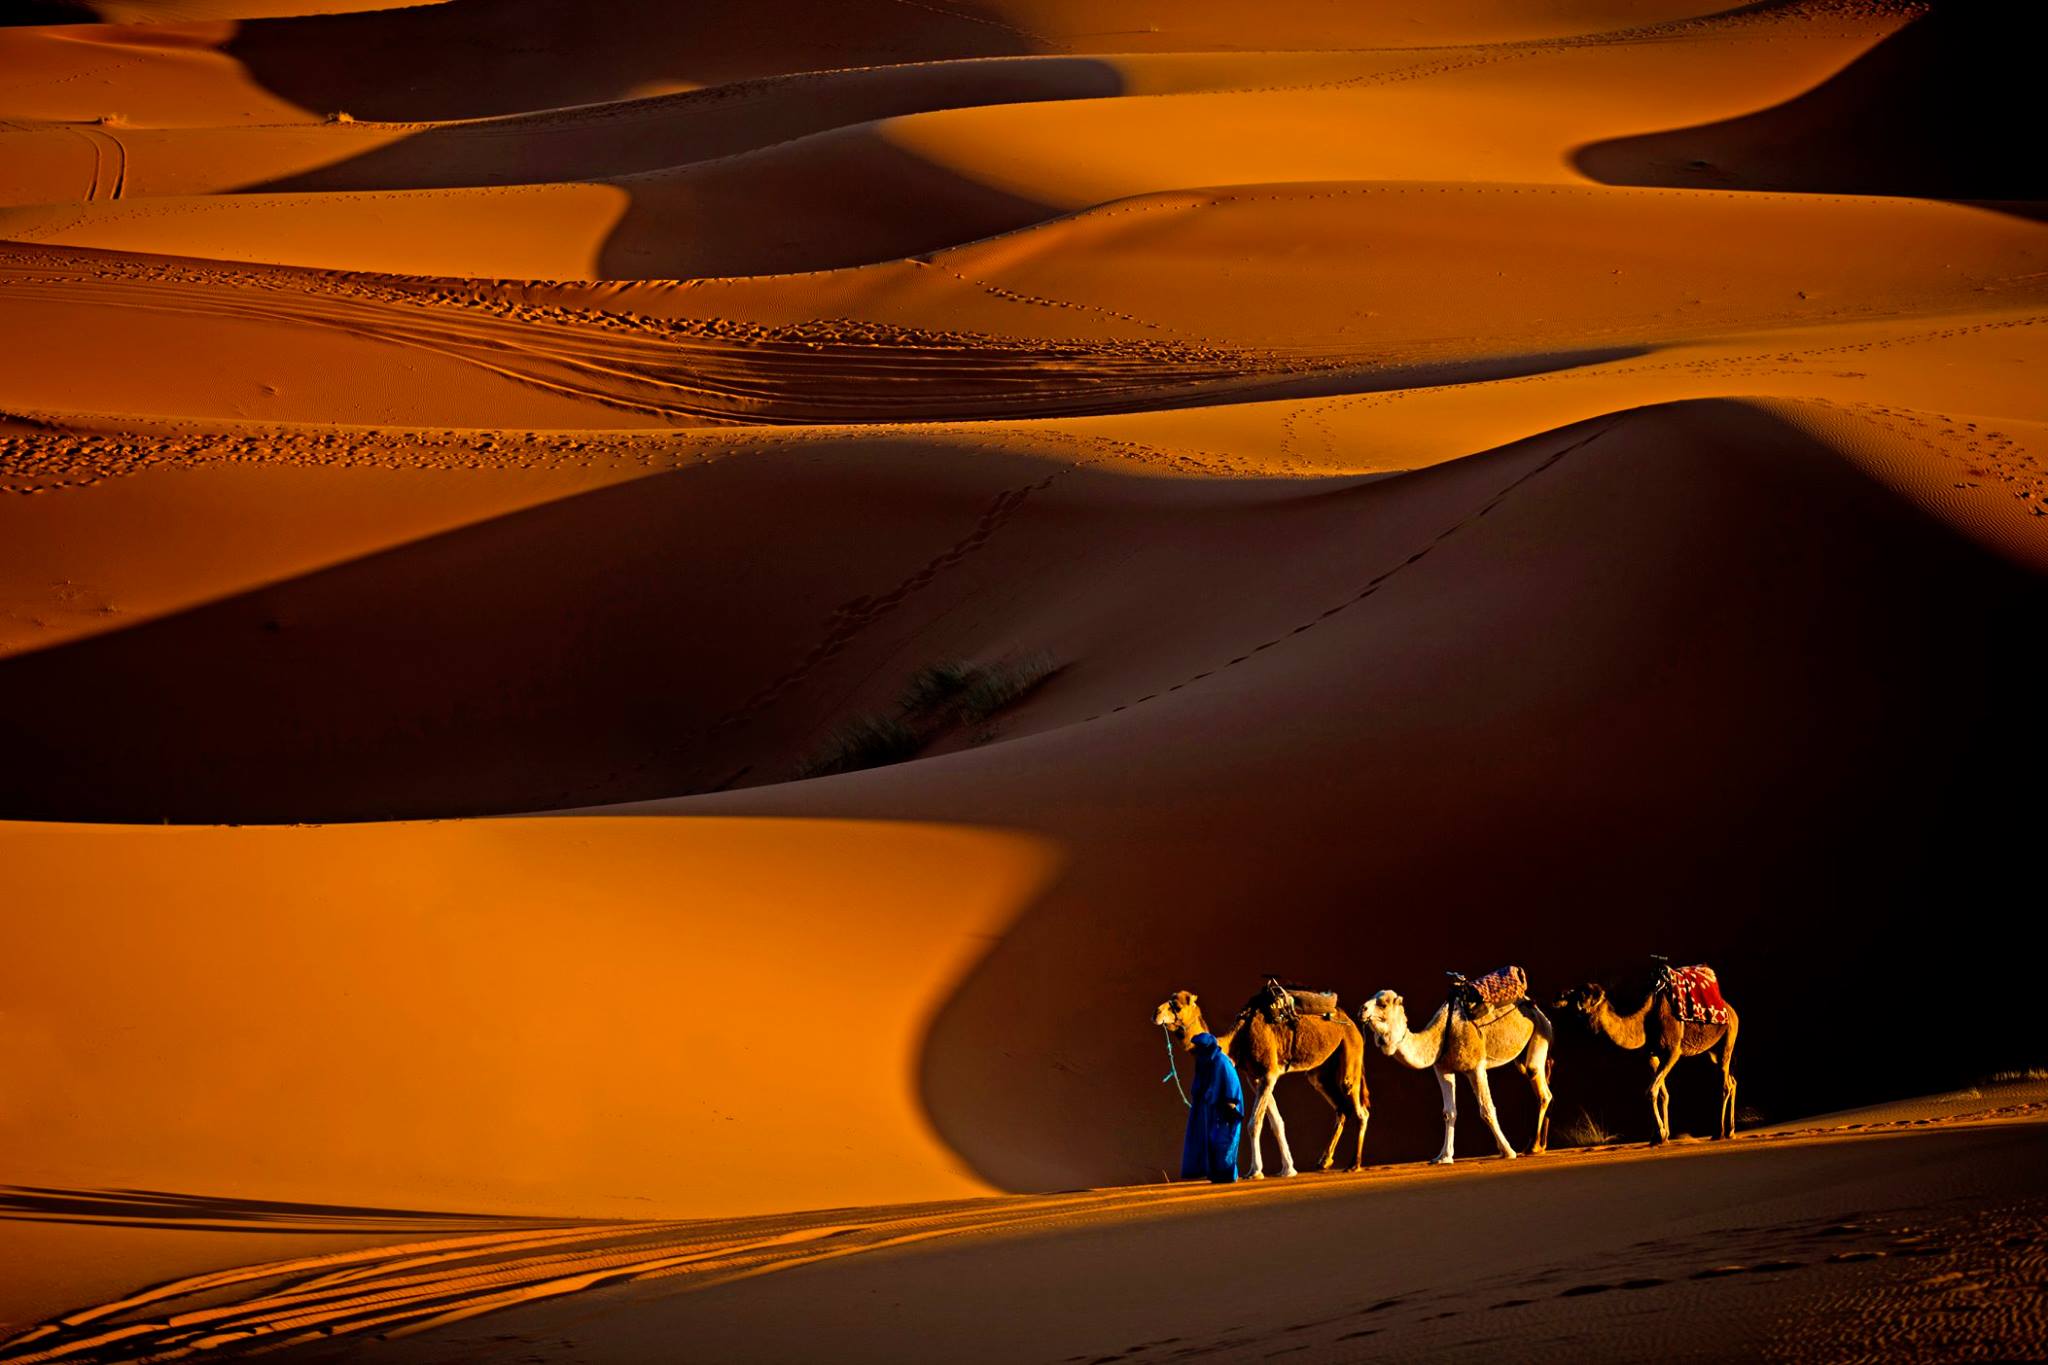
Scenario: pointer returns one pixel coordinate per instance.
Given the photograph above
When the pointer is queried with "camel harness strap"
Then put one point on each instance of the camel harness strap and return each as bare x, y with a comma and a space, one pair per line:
1173, 1067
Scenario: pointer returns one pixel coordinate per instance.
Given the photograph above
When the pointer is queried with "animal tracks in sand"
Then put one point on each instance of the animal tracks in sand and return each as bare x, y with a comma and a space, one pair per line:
823, 371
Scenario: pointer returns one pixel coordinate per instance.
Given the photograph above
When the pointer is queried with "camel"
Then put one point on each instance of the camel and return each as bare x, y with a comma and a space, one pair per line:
1452, 1043
1655, 1026
1330, 1052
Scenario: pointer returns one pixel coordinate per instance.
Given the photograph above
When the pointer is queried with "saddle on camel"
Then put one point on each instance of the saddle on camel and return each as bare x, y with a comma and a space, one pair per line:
1285, 1005
1695, 993
1483, 997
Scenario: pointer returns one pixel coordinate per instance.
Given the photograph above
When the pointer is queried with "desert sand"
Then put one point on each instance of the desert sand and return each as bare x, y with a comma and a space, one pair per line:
1402, 487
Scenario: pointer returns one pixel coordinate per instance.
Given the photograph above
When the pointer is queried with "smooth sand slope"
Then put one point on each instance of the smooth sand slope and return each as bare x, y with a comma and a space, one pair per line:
1438, 485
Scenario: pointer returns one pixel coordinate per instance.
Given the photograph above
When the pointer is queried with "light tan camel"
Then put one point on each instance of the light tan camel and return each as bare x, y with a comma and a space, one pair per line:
1330, 1052
1655, 1026
1451, 1044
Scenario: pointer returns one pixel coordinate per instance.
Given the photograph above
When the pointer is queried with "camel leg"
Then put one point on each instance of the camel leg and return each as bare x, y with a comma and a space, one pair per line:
1363, 1115
1539, 1081
1660, 1096
1279, 1133
1728, 1079
1483, 1090
1330, 1152
1446, 1156
1255, 1124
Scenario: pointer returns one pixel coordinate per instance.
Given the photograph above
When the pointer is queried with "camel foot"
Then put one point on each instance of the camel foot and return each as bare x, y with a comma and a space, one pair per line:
1442, 1160
1507, 1156
1290, 1171
1256, 1175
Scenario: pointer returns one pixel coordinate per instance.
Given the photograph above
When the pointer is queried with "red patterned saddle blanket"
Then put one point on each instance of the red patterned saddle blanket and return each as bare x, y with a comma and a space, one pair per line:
1499, 989
1696, 994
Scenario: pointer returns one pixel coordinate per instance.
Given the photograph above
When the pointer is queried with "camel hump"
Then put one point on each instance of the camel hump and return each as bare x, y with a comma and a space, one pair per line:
1284, 1002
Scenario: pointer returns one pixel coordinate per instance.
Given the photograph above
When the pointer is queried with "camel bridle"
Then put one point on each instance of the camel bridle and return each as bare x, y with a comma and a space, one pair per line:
1173, 1062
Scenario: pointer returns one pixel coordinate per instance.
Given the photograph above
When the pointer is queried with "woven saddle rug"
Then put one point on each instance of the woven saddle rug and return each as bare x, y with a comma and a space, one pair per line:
1696, 994
1499, 989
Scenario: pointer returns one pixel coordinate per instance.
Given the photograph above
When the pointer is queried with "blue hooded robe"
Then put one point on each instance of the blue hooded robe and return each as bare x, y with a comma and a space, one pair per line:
1215, 1116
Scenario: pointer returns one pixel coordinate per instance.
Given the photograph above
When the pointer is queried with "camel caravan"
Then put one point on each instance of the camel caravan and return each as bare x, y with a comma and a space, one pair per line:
1484, 1023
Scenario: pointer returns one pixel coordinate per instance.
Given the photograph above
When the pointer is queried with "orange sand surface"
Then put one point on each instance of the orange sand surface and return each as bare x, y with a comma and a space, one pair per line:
1398, 487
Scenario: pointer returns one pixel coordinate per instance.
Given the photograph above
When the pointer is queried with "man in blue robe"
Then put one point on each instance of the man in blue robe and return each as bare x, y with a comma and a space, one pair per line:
1215, 1115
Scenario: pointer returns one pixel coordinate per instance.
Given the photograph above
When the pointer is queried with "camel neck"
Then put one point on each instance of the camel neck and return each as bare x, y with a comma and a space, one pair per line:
1193, 1026
1421, 1047
1626, 1030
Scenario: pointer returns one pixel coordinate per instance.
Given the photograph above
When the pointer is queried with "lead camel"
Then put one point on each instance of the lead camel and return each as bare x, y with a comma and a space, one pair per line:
1330, 1052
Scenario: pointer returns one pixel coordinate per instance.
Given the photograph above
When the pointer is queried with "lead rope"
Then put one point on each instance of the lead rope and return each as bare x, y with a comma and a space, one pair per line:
1173, 1067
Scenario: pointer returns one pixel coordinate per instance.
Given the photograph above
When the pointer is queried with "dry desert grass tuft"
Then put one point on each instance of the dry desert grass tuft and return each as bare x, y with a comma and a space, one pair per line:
938, 699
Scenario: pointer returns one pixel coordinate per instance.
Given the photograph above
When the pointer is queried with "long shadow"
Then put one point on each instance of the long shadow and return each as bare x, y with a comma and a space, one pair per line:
671, 131
849, 197
1948, 107
765, 177
611, 645
46, 13
474, 58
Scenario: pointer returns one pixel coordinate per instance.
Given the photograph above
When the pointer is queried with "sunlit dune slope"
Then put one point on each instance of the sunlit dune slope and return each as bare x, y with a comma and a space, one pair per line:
491, 1016
177, 517
697, 222
1174, 118
1376, 277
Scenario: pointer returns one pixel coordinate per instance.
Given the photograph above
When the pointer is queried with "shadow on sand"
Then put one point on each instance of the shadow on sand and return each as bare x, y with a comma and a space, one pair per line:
1938, 110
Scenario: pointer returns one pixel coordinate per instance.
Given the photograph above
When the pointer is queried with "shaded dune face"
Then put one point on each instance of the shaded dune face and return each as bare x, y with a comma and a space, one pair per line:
651, 134
533, 54
1926, 112
1483, 763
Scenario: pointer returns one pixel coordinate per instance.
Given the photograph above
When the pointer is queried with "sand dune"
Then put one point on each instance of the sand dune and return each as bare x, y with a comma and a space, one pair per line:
1414, 486
492, 1052
1918, 115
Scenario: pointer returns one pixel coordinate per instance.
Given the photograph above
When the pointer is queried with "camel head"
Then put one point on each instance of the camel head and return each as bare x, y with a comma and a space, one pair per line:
1177, 1012
1385, 1016
1586, 999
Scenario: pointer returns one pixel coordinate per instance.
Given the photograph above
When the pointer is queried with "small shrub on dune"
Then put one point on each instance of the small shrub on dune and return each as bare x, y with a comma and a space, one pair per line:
937, 685
865, 742
939, 697
1005, 684
1584, 1131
